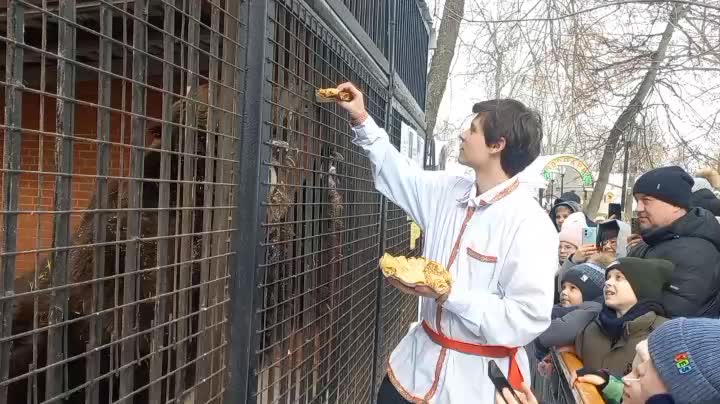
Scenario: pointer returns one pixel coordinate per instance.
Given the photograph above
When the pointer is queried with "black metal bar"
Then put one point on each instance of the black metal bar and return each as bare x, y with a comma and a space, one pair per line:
250, 212
233, 56
380, 282
162, 281
132, 256
96, 325
65, 126
11, 180
187, 243
206, 338
352, 35
33, 382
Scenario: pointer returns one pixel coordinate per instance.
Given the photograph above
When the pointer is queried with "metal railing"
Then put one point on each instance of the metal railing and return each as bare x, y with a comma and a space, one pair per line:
557, 387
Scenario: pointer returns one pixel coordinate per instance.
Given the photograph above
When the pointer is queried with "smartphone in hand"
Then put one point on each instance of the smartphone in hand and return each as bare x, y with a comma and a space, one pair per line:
589, 235
499, 380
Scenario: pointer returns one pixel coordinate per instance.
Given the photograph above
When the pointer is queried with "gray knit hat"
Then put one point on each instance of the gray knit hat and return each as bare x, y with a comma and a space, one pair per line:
589, 278
686, 354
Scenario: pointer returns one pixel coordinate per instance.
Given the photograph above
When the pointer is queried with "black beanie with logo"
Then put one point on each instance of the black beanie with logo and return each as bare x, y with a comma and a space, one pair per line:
669, 184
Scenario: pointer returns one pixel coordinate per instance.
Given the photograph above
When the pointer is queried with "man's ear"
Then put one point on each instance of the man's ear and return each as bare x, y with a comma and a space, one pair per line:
498, 146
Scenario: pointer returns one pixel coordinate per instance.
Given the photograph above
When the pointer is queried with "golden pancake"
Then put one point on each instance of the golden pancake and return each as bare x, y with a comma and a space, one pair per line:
416, 272
332, 94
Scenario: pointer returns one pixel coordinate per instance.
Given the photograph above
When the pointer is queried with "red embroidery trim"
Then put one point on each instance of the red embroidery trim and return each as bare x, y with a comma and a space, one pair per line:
481, 257
404, 393
505, 192
436, 379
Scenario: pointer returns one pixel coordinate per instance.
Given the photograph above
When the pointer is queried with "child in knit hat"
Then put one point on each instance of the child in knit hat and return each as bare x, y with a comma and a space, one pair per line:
570, 236
685, 361
582, 283
678, 363
582, 286
630, 312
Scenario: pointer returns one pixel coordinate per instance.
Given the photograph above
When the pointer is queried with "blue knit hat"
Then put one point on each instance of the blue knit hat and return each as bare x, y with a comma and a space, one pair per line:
686, 354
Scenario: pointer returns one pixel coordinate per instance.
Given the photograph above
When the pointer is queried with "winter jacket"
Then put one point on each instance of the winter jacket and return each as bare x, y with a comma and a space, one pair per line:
706, 199
692, 243
566, 325
597, 352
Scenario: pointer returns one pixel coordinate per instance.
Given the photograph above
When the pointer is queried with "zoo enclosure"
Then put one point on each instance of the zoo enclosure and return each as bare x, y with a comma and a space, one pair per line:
180, 221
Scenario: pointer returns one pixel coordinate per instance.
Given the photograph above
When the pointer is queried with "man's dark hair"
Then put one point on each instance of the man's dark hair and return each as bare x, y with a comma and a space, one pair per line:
519, 125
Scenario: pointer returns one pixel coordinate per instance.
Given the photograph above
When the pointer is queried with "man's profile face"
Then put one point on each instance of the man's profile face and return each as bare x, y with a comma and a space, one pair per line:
474, 152
654, 213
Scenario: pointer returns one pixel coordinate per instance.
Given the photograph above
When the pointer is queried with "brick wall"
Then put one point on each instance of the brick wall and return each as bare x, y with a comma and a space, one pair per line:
37, 191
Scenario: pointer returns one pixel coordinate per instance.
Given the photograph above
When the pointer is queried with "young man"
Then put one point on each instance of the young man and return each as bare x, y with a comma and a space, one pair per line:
495, 240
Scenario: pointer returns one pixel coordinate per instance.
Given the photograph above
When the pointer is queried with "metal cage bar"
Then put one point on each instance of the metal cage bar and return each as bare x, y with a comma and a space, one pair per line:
55, 381
11, 179
412, 55
118, 198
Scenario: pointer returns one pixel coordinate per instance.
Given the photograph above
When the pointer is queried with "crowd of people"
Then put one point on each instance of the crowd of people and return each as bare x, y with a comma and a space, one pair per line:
641, 308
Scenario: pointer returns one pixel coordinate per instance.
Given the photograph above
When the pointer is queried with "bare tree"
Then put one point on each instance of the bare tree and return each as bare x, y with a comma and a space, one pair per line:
442, 59
628, 116
594, 67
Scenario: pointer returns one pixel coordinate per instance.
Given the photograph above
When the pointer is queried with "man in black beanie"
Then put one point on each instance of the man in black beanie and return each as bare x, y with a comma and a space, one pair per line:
687, 237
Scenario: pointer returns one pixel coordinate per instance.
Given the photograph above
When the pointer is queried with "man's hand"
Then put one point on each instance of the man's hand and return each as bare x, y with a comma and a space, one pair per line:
633, 240
583, 253
356, 107
423, 291
526, 396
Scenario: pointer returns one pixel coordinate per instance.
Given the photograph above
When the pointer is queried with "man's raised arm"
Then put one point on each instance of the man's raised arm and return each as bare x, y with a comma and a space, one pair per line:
416, 191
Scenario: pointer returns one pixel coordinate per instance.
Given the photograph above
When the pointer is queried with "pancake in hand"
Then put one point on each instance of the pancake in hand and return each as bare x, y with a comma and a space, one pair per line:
417, 272
331, 95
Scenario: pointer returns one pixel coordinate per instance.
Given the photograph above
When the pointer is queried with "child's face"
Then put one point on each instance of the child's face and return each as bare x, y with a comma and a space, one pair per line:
619, 295
561, 213
632, 393
566, 250
650, 381
570, 295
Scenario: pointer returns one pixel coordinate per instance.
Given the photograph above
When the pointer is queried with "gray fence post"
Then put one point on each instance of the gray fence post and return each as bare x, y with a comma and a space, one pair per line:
249, 213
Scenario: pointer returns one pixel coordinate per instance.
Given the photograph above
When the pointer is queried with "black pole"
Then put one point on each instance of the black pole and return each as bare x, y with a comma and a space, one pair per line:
250, 210
562, 183
391, 9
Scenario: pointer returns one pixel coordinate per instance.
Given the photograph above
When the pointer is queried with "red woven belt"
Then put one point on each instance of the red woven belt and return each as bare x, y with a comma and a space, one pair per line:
515, 377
